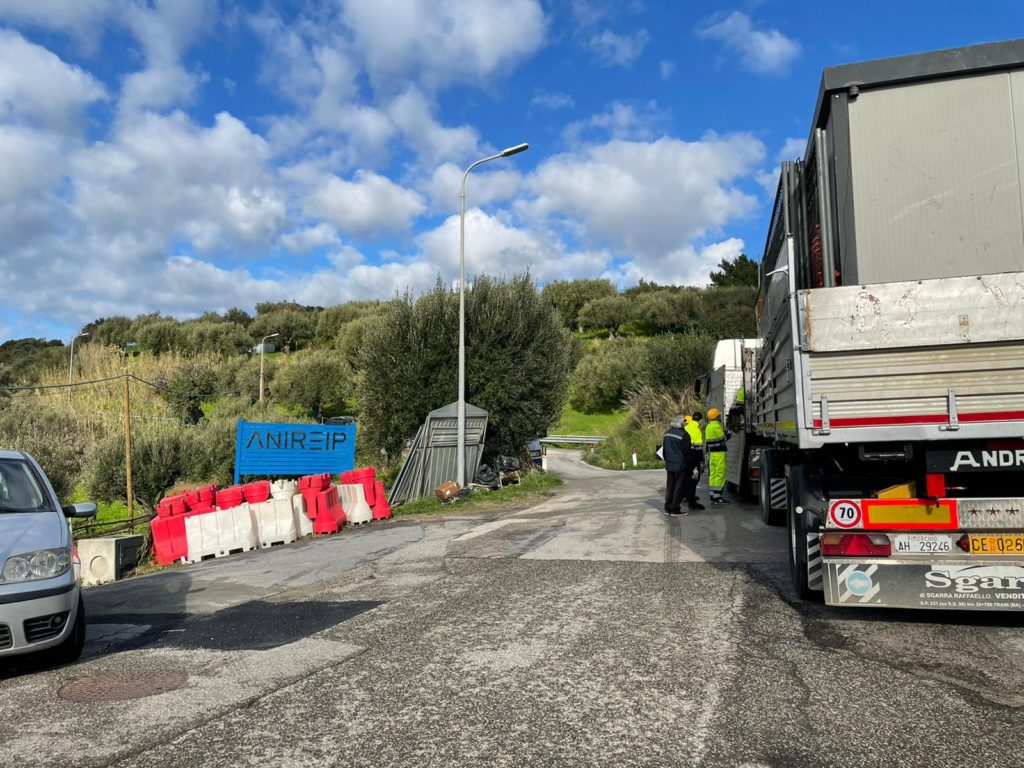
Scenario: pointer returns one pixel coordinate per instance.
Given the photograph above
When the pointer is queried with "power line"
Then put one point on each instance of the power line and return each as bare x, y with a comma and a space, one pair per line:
62, 386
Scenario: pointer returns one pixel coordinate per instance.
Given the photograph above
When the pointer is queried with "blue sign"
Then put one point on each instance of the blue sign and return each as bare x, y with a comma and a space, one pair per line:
294, 449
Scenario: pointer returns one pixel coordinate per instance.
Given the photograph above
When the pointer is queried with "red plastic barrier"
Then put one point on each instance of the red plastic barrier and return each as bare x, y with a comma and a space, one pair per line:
381, 510
365, 477
230, 497
257, 492
309, 487
169, 542
172, 505
201, 499
330, 517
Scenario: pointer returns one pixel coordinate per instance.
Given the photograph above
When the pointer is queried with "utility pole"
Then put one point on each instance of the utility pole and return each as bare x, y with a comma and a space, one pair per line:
128, 446
263, 345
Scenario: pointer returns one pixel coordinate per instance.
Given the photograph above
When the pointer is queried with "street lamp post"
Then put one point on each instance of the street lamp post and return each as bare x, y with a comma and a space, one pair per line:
262, 347
460, 465
71, 362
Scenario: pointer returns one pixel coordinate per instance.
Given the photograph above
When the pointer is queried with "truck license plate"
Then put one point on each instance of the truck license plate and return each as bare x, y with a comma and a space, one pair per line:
922, 542
997, 544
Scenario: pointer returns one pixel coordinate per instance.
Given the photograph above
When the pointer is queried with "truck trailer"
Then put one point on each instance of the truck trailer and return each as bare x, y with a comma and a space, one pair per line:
883, 416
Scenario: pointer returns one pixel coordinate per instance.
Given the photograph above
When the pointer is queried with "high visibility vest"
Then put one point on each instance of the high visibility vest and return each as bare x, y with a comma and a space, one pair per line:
716, 436
740, 397
693, 430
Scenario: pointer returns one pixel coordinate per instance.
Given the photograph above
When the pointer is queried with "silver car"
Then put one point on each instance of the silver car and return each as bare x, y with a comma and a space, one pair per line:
40, 601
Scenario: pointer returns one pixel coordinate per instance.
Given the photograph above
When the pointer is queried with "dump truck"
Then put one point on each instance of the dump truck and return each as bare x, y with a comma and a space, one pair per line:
883, 417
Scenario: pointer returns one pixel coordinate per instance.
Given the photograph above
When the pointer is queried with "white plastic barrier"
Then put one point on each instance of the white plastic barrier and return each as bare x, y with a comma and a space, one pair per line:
303, 525
275, 522
353, 501
220, 533
283, 489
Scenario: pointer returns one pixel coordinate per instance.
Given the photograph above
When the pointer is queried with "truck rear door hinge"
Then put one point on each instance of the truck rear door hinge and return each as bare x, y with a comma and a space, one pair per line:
826, 425
954, 420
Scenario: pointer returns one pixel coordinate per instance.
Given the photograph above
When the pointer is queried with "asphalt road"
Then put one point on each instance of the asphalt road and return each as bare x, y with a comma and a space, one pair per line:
588, 630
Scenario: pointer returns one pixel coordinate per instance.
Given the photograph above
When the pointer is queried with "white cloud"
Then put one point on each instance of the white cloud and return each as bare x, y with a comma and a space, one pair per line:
165, 31
618, 121
764, 51
167, 177
35, 85
433, 143
667, 69
438, 42
614, 50
310, 238
792, 149
684, 266
31, 162
79, 18
648, 198
367, 205
483, 187
553, 100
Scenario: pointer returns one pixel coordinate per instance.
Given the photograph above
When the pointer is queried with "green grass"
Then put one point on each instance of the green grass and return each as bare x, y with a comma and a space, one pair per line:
618, 448
105, 512
534, 487
575, 422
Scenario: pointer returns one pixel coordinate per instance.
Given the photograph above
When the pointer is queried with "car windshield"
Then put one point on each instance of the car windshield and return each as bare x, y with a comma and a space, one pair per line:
19, 491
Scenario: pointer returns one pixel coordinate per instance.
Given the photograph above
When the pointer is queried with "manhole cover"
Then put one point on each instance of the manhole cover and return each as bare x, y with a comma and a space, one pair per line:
122, 686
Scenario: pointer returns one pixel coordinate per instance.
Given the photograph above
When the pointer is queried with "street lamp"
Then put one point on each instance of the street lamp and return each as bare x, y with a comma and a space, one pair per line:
262, 348
460, 466
71, 362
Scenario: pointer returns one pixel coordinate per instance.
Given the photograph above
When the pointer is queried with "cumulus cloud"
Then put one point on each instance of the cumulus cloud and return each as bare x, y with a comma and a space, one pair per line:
438, 42
369, 204
684, 266
792, 149
615, 50
434, 143
310, 238
648, 197
81, 18
167, 176
483, 187
38, 87
618, 121
763, 51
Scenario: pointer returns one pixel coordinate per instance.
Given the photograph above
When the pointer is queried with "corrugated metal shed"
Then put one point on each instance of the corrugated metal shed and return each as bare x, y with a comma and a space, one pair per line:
432, 457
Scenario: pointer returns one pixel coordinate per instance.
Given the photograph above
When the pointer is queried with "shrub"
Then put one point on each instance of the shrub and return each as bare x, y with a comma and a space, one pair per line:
186, 385
518, 363
673, 361
52, 438
313, 381
604, 376
158, 461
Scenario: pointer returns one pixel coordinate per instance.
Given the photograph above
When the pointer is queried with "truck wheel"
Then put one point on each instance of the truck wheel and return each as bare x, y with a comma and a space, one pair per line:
796, 485
772, 512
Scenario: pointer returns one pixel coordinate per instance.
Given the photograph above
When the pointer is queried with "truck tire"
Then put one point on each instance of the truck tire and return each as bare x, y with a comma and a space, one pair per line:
803, 487
797, 535
772, 512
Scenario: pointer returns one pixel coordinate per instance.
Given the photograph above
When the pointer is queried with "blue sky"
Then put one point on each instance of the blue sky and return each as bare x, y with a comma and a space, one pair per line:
190, 155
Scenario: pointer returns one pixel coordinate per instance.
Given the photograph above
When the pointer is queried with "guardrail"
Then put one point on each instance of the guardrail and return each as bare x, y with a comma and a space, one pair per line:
574, 439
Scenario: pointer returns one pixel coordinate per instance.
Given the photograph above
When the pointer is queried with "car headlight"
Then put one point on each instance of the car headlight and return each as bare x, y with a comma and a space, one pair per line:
41, 564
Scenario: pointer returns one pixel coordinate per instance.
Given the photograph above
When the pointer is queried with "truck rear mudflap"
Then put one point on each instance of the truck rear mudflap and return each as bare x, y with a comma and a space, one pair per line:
951, 584
959, 554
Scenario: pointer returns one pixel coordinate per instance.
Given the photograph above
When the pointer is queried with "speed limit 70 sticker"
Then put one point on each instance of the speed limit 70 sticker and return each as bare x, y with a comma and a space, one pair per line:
845, 514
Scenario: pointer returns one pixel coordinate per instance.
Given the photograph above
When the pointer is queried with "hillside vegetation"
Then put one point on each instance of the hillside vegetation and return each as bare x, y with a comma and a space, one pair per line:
577, 348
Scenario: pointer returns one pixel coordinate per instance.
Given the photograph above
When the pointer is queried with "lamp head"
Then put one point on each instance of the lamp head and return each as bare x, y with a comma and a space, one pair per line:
514, 150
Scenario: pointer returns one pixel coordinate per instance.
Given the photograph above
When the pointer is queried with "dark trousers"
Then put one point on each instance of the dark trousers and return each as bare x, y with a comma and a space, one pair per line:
676, 490
690, 488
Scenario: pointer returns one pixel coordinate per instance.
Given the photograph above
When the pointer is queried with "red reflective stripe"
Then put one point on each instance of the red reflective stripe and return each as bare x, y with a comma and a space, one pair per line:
922, 418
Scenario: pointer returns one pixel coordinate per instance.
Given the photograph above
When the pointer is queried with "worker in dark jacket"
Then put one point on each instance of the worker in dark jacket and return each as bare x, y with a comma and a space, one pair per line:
679, 466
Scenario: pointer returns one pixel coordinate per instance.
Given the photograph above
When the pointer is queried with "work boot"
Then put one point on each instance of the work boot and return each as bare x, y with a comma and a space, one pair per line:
696, 506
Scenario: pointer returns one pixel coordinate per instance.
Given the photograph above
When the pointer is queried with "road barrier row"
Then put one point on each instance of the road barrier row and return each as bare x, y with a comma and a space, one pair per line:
210, 522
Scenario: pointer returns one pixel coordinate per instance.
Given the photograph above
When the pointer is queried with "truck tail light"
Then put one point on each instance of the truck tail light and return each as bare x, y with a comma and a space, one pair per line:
855, 545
